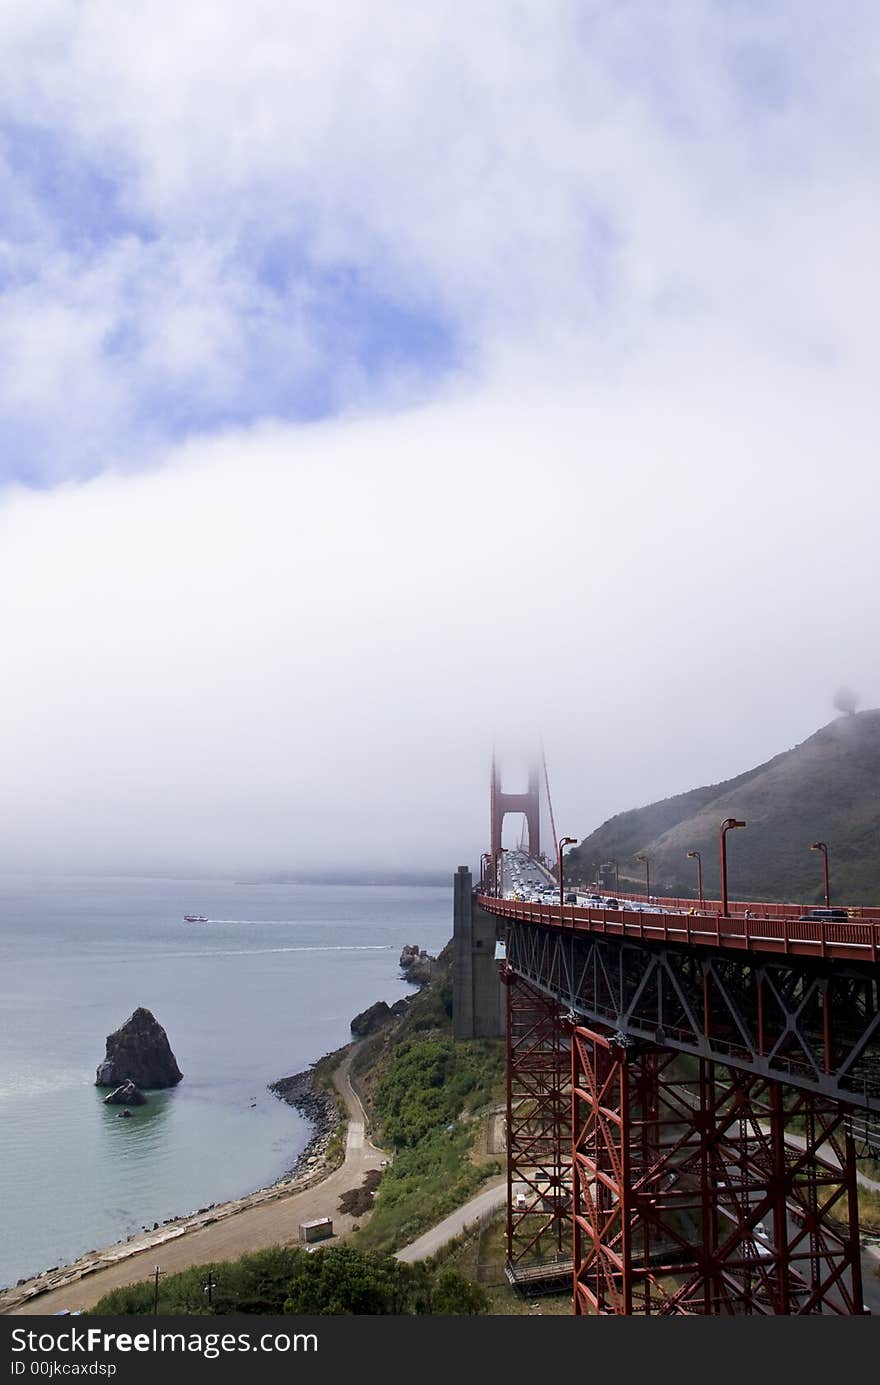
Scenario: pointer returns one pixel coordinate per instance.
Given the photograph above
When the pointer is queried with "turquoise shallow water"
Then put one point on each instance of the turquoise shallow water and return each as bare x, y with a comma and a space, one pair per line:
260, 992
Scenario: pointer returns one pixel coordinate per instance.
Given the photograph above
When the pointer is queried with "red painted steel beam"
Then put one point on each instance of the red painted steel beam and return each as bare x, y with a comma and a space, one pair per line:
538, 1139
851, 942
674, 1175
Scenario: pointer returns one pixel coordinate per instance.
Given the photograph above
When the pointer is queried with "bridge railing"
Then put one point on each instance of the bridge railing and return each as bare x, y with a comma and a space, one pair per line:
855, 941
739, 907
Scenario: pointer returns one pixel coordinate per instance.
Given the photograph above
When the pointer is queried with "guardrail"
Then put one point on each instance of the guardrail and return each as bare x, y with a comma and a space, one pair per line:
852, 941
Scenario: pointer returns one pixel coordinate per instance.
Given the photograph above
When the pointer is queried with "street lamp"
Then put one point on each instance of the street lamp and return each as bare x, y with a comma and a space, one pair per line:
647, 861
563, 841
822, 846
500, 851
695, 855
726, 825
616, 876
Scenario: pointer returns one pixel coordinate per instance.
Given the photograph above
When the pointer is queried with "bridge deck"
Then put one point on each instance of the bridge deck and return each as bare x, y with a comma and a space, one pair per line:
854, 941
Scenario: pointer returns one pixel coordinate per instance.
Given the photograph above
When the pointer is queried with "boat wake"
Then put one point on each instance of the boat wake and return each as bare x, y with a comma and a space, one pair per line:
259, 951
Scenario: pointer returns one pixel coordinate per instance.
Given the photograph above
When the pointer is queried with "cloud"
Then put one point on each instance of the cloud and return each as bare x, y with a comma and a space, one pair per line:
290, 210
392, 381
291, 644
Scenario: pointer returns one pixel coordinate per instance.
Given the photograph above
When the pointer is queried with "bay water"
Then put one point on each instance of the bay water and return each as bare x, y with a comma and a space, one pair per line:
261, 991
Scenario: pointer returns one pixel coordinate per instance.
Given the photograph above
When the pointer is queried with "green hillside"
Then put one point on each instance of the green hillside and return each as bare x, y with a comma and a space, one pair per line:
826, 789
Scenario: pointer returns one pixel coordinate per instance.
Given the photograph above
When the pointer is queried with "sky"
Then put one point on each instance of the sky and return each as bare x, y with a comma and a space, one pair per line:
381, 384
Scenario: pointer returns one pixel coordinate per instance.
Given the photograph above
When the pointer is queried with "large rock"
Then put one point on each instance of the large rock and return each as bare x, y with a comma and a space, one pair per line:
417, 965
371, 1019
126, 1095
139, 1052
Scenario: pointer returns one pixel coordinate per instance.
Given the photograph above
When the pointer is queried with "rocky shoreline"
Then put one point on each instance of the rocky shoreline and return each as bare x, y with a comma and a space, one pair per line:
304, 1093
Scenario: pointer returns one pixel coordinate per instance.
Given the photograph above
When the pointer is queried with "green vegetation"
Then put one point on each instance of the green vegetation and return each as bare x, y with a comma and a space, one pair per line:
425, 1096
425, 1184
424, 1104
345, 1280
430, 1082
335, 1279
822, 790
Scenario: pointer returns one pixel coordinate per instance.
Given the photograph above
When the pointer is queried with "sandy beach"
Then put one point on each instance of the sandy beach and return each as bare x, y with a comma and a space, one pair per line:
269, 1216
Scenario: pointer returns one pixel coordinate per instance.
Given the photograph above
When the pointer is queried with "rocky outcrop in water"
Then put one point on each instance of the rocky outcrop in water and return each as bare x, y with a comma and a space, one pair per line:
139, 1052
417, 965
126, 1095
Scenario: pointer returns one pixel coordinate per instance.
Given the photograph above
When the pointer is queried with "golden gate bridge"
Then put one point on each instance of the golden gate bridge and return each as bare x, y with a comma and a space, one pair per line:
688, 1091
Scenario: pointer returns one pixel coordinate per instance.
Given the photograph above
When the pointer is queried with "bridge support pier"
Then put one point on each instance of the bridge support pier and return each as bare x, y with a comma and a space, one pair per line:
703, 1189
538, 1137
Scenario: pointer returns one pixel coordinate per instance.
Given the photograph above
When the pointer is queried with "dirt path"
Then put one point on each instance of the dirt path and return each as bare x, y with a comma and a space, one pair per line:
275, 1221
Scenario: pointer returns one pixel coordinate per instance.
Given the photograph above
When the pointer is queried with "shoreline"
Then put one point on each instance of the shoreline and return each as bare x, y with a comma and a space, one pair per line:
304, 1093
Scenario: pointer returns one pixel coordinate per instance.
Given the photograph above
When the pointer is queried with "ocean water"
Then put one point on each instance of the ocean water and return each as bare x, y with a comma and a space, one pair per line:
264, 989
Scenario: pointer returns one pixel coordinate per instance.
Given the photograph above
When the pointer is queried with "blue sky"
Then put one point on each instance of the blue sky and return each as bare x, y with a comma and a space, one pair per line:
305, 339
204, 228
341, 344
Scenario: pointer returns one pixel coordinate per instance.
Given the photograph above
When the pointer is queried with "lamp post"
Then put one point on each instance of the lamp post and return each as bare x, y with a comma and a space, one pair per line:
647, 861
823, 847
616, 876
563, 841
695, 855
726, 825
499, 874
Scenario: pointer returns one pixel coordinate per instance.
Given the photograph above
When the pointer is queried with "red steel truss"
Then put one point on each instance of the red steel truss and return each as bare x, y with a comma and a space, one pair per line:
538, 1132
701, 1189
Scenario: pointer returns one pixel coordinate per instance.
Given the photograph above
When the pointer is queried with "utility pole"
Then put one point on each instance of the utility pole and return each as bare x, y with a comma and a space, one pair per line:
210, 1286
156, 1290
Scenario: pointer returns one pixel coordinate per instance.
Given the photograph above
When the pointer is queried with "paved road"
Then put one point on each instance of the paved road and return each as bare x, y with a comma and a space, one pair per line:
491, 1197
253, 1228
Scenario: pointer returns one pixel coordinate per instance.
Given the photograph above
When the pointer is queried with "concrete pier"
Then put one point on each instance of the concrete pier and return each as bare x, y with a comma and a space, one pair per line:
478, 1010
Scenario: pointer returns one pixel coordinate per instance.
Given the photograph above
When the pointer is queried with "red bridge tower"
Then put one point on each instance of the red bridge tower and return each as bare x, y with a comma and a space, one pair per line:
528, 803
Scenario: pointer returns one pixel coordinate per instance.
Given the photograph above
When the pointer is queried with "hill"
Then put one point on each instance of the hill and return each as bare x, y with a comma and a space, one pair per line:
426, 1097
825, 789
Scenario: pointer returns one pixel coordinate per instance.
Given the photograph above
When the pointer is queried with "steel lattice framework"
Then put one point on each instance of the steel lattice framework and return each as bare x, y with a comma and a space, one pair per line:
538, 1139
814, 1024
676, 1165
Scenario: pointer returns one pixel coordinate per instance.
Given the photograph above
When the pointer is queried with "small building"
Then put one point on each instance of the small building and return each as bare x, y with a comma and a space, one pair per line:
317, 1230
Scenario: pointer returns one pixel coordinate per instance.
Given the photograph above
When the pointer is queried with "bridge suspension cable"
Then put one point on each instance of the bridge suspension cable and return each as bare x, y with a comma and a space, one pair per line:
549, 799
